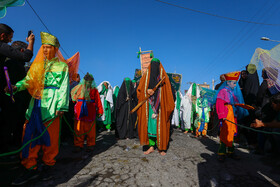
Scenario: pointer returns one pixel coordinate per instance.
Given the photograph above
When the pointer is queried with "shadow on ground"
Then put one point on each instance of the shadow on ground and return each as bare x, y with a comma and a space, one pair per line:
250, 170
67, 166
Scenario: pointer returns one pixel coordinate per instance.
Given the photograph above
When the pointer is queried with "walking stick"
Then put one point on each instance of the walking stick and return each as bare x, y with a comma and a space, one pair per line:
146, 98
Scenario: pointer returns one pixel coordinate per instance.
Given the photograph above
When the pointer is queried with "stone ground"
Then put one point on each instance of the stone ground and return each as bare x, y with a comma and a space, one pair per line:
188, 162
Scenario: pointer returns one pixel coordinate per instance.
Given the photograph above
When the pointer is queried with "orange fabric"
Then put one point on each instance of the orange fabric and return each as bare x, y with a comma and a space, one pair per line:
73, 65
204, 131
36, 74
228, 129
84, 128
78, 126
166, 107
49, 152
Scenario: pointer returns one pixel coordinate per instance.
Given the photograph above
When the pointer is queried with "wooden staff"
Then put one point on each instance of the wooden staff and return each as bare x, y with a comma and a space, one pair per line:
146, 98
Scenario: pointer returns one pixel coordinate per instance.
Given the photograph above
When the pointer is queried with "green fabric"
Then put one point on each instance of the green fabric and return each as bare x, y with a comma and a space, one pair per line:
191, 129
223, 149
104, 90
115, 95
127, 84
203, 103
195, 124
52, 99
152, 141
178, 105
152, 123
155, 60
108, 126
107, 108
193, 113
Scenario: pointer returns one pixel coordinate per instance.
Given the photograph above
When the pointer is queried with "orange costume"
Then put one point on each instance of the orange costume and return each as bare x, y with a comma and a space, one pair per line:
226, 99
165, 109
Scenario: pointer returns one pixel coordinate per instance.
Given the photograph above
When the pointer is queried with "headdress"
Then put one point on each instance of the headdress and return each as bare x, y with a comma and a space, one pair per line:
232, 76
49, 39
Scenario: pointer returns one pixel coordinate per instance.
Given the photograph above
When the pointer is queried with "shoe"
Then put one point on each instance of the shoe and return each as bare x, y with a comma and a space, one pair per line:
108, 130
77, 149
233, 156
221, 158
46, 173
89, 149
26, 176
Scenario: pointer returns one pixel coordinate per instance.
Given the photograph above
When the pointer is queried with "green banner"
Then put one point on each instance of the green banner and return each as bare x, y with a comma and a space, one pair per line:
175, 80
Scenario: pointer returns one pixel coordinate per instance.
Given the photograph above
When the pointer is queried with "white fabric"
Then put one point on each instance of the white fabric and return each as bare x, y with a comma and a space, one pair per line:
108, 97
175, 118
186, 108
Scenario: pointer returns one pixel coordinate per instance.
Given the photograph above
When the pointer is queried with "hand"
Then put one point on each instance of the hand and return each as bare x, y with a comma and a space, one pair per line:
150, 92
6, 89
257, 124
31, 38
59, 113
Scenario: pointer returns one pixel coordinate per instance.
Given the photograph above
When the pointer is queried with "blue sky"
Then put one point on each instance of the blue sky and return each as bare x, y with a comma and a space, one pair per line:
108, 33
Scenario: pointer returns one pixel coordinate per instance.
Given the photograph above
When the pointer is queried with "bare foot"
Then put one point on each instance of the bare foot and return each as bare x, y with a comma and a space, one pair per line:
150, 150
186, 132
162, 153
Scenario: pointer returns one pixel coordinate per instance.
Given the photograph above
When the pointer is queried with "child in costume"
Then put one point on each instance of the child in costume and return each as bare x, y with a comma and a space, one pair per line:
229, 94
88, 106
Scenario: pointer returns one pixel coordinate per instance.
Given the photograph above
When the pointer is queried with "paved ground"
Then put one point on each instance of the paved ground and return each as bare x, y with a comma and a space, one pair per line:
188, 162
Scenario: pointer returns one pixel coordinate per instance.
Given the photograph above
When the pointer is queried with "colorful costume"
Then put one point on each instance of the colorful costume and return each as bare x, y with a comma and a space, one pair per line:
226, 111
154, 114
106, 96
203, 111
48, 83
87, 107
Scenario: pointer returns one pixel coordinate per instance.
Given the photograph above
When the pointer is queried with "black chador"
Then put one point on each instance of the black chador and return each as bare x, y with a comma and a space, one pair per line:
126, 101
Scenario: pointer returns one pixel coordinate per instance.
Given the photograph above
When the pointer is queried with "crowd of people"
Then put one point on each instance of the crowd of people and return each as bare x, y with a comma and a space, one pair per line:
42, 104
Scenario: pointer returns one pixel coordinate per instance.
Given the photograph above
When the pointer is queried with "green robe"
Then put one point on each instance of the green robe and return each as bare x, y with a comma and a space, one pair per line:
115, 95
55, 96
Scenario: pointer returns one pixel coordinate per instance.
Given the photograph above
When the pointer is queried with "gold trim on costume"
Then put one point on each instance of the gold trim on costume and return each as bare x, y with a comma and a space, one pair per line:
159, 113
145, 91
